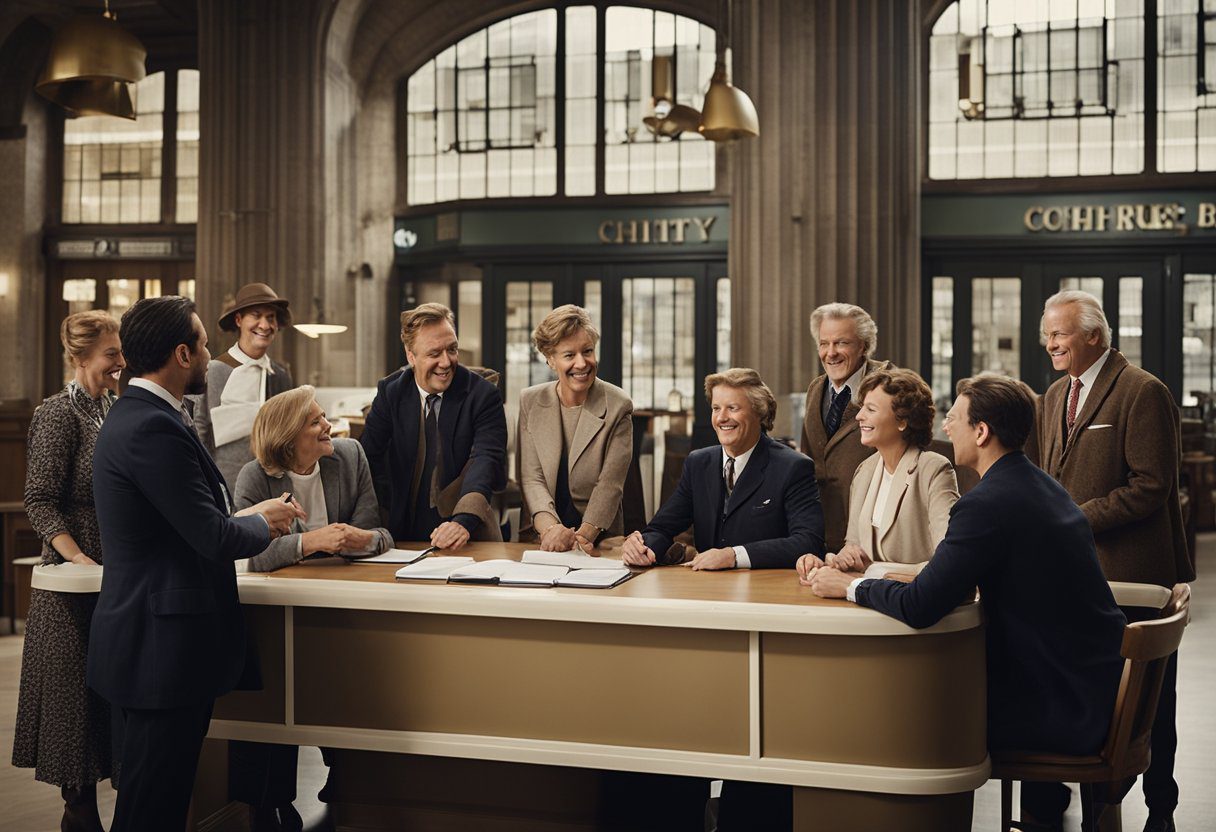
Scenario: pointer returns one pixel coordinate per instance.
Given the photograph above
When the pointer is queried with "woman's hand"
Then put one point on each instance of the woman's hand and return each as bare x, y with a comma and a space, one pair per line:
325, 539
806, 563
851, 558
81, 557
557, 538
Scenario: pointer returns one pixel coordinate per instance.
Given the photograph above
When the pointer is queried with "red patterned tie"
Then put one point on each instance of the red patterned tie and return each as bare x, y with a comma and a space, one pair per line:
1073, 397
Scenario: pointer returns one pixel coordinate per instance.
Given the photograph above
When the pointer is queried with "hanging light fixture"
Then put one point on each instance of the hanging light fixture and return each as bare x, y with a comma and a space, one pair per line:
91, 66
668, 118
316, 330
728, 112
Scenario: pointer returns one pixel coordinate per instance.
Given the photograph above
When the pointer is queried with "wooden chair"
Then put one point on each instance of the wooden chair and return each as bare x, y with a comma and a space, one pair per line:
1107, 776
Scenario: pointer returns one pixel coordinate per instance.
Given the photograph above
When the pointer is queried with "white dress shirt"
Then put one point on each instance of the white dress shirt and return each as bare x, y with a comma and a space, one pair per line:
422, 394
742, 561
884, 492
1087, 381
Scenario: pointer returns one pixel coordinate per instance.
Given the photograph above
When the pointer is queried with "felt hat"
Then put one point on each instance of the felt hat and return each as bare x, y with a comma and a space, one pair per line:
254, 294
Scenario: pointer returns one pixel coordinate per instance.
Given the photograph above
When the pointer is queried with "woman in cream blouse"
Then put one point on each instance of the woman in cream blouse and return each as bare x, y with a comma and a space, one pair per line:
900, 499
575, 440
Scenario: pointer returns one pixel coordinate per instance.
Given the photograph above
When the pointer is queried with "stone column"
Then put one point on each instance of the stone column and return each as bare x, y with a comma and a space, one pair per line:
825, 203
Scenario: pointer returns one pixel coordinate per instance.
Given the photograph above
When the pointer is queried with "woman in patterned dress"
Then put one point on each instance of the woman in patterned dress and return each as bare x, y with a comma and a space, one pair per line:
63, 728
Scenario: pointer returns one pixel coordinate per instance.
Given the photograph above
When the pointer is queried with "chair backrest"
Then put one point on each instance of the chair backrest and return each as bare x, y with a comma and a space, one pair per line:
1147, 646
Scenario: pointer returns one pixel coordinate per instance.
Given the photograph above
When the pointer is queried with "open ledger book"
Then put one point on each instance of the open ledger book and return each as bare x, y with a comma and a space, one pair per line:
510, 573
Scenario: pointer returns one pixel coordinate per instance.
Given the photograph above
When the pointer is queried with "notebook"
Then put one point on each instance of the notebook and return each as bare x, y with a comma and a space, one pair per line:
595, 578
508, 573
393, 556
433, 569
573, 560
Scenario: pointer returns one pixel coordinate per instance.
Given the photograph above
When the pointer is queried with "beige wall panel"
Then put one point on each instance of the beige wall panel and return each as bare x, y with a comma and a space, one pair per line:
617, 685
264, 629
922, 699
828, 810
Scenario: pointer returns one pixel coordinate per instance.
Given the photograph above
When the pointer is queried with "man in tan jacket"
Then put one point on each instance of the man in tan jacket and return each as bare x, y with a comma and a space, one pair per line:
847, 337
1109, 432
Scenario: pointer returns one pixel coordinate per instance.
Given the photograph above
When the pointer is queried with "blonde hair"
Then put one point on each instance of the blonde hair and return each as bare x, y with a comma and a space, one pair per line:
863, 324
276, 426
559, 325
748, 380
1090, 316
80, 332
415, 319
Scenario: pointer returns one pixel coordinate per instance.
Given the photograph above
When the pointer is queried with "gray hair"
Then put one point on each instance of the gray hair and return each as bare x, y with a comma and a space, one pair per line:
864, 325
1090, 316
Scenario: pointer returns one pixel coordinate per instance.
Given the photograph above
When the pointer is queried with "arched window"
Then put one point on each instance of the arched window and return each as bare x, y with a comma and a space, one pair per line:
517, 109
1043, 89
114, 169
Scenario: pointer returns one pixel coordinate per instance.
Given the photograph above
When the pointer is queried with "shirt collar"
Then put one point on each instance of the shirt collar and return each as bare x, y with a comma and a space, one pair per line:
1091, 375
158, 391
852, 382
422, 394
742, 458
241, 356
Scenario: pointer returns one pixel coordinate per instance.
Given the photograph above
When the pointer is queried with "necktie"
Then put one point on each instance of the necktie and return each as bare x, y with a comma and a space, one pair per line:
1074, 396
730, 475
432, 447
836, 411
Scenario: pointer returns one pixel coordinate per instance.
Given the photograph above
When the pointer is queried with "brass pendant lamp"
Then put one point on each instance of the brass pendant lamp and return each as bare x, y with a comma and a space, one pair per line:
91, 66
728, 112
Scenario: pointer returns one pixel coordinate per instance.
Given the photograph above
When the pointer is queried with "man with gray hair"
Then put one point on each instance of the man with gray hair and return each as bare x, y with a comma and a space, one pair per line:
847, 337
1109, 432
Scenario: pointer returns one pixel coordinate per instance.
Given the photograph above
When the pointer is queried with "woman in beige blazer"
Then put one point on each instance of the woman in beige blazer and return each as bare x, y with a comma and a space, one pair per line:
900, 498
575, 440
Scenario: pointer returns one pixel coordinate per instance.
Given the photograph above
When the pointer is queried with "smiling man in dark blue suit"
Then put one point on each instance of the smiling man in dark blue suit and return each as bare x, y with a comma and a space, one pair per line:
752, 502
167, 635
436, 436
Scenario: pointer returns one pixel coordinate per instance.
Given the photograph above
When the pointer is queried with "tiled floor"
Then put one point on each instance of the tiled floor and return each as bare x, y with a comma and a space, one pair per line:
29, 806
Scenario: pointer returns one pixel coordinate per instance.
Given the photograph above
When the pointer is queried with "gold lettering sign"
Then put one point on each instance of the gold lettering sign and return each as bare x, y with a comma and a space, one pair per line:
1158, 216
675, 231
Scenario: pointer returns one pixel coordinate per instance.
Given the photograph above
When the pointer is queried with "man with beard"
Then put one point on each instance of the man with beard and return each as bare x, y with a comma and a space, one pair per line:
167, 635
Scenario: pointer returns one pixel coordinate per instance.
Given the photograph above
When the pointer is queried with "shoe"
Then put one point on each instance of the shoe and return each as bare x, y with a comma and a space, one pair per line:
1159, 823
80, 810
289, 819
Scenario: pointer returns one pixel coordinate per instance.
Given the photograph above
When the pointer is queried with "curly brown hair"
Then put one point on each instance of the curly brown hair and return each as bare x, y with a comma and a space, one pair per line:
911, 399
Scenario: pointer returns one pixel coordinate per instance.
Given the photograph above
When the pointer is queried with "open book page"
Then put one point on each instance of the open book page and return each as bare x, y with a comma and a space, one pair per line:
393, 556
531, 574
433, 569
483, 570
595, 578
881, 569
571, 560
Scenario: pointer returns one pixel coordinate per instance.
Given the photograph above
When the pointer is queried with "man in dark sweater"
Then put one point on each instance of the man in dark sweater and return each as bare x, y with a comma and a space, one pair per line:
1053, 629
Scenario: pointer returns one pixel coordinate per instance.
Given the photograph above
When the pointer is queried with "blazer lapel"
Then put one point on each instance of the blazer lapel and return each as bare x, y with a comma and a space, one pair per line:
590, 422
848, 424
218, 490
816, 432
331, 484
866, 514
545, 424
1103, 384
899, 487
751, 478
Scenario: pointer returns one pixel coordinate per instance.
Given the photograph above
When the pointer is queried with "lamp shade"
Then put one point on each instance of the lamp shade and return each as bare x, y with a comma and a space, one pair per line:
91, 65
728, 113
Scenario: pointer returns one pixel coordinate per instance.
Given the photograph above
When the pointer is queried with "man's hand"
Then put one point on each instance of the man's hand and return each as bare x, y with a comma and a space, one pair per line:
806, 563
449, 536
557, 538
279, 515
325, 539
723, 558
635, 552
851, 558
830, 583
355, 539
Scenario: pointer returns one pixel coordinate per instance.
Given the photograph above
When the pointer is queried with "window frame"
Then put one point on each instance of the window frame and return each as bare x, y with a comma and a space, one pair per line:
1149, 178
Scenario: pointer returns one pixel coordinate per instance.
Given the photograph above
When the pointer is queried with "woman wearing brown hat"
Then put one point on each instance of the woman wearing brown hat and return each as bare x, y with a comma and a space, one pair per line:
242, 379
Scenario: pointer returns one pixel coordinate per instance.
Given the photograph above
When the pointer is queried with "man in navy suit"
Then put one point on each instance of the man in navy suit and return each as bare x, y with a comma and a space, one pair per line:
167, 634
1053, 629
436, 436
753, 503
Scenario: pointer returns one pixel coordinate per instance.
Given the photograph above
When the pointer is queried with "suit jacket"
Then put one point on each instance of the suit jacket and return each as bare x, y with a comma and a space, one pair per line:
473, 432
1053, 631
774, 510
230, 458
914, 520
836, 459
167, 631
598, 458
1120, 464
346, 480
